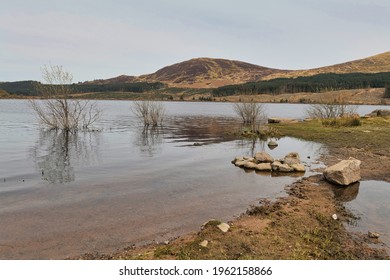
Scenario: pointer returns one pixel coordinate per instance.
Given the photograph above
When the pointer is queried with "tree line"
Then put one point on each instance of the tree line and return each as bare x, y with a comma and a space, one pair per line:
31, 88
316, 83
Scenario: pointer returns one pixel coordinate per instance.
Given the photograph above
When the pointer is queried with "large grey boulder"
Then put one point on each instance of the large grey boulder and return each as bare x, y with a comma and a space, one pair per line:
344, 173
261, 157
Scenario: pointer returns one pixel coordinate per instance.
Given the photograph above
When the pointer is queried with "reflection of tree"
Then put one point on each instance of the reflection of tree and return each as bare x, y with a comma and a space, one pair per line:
57, 153
251, 146
149, 140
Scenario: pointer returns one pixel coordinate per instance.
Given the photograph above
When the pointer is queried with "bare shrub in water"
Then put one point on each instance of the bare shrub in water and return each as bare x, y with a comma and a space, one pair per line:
56, 109
149, 112
251, 113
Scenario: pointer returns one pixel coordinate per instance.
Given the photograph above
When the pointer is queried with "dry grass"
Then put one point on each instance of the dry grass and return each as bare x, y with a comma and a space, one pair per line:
374, 64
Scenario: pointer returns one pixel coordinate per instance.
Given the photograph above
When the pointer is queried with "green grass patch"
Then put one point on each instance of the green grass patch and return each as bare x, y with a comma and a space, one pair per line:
373, 133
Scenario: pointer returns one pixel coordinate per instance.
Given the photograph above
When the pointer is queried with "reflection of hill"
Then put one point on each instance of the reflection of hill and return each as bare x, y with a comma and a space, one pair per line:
57, 153
201, 129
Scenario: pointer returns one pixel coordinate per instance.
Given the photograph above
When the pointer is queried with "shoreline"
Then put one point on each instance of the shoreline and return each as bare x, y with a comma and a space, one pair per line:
350, 97
299, 226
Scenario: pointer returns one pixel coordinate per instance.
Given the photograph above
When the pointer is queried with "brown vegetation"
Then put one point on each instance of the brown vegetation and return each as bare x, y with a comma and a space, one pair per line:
212, 73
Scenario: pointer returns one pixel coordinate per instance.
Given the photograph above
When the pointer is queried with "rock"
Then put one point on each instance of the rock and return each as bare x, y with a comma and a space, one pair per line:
292, 158
334, 216
344, 173
261, 157
240, 163
272, 144
166, 242
299, 167
275, 165
251, 159
380, 113
266, 166
372, 234
250, 165
237, 159
224, 227
282, 120
285, 168
204, 243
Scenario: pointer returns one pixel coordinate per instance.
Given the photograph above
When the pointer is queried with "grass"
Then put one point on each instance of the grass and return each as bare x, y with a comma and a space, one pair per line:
373, 133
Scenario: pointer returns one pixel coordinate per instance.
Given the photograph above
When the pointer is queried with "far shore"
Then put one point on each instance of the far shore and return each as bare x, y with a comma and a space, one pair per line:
372, 96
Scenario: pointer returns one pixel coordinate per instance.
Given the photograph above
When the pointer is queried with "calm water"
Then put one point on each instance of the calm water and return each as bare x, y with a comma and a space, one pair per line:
368, 201
64, 195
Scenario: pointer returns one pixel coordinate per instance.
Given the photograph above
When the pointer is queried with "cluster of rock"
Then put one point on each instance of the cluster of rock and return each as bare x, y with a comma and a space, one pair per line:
262, 161
378, 113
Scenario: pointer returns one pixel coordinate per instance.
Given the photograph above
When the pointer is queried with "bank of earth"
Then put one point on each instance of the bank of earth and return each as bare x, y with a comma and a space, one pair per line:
299, 226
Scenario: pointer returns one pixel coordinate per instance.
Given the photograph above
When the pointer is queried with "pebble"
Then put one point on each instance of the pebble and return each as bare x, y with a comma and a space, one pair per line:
373, 234
224, 227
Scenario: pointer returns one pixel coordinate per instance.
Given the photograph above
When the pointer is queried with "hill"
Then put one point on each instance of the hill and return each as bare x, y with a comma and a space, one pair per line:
208, 72
200, 73
213, 73
373, 64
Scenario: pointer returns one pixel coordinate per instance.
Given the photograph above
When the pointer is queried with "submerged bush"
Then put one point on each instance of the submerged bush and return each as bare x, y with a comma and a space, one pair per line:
251, 113
149, 112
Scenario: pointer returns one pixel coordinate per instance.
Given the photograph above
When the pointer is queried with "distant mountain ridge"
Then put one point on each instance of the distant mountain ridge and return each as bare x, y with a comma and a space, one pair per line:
212, 73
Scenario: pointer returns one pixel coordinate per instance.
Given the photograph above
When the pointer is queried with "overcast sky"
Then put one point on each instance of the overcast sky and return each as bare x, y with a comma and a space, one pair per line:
96, 39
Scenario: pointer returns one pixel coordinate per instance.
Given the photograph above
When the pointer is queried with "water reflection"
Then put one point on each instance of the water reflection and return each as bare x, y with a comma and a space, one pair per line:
200, 129
186, 131
346, 194
57, 154
368, 200
149, 140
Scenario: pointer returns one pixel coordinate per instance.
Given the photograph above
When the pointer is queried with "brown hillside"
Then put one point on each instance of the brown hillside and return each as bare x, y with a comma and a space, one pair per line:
211, 73
208, 72
373, 64
200, 73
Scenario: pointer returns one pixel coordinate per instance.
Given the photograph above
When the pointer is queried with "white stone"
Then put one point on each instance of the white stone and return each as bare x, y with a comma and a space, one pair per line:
224, 227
